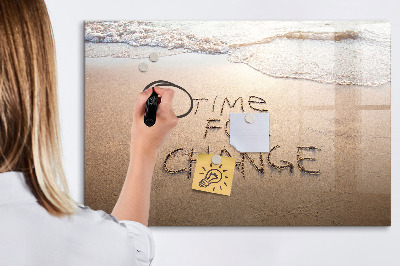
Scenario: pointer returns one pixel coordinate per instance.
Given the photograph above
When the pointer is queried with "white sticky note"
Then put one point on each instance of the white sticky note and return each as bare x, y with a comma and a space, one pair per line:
249, 137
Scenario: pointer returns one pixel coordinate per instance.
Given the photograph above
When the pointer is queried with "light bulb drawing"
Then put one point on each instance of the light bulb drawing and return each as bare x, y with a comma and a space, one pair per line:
213, 176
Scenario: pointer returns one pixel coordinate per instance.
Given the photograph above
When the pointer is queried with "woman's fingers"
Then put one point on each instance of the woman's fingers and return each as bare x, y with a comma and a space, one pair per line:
165, 101
165, 107
159, 91
167, 96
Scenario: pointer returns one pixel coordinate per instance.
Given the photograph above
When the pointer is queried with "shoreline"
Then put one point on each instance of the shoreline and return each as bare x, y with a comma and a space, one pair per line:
124, 50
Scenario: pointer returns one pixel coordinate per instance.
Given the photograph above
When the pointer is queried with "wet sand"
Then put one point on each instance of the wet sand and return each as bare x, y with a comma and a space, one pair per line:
349, 124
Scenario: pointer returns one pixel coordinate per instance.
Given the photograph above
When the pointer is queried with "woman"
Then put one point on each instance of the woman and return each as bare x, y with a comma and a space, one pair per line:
40, 224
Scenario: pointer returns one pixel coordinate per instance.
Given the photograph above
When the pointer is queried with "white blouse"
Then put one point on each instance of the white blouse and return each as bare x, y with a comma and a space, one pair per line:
29, 235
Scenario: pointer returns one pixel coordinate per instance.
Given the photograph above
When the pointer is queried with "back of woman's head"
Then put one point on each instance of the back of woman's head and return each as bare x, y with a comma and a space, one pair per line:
29, 124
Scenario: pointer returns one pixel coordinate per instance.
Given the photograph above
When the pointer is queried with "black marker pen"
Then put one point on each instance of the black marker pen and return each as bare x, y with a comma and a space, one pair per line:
151, 109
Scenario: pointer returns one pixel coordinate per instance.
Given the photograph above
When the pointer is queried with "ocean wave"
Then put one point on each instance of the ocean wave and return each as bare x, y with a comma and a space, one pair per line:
136, 33
303, 35
341, 52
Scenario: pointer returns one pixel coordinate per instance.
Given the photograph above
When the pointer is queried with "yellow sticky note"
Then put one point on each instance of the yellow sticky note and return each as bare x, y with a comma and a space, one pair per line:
214, 178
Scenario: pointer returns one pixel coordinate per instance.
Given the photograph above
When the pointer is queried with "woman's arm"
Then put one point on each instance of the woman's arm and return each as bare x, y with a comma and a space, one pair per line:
134, 201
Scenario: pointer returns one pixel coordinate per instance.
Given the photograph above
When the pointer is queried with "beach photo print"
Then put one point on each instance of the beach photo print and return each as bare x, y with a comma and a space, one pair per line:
280, 122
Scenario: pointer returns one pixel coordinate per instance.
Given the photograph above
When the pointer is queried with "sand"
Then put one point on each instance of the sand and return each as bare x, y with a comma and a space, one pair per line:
349, 124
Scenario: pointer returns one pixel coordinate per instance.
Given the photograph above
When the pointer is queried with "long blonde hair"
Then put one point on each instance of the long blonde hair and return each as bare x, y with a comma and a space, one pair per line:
29, 120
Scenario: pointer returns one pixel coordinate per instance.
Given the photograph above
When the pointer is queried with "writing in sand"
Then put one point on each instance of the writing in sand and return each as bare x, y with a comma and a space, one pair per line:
255, 103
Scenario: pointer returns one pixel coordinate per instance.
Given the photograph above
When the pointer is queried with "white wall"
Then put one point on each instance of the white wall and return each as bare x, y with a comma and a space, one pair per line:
230, 245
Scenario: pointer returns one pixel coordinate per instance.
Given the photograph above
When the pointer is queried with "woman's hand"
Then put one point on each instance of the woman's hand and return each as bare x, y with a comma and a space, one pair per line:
151, 138
134, 201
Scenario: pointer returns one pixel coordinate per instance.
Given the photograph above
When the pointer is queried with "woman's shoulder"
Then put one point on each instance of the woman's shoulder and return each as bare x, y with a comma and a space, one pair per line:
87, 213
91, 237
138, 236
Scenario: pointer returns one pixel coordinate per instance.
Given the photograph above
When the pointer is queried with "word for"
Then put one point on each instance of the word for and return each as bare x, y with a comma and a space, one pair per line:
240, 164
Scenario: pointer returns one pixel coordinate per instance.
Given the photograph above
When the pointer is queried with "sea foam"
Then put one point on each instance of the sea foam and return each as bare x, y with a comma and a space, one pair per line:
340, 52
